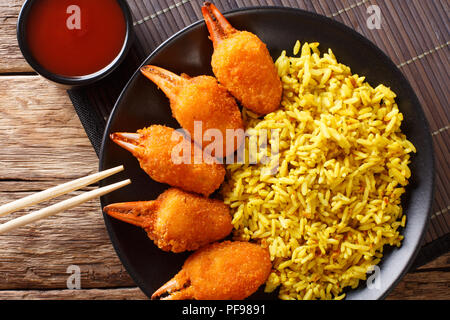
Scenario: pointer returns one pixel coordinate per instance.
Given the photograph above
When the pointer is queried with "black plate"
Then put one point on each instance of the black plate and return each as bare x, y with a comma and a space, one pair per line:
142, 104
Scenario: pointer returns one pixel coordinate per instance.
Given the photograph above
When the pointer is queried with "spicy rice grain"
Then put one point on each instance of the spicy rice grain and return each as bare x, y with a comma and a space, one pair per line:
334, 201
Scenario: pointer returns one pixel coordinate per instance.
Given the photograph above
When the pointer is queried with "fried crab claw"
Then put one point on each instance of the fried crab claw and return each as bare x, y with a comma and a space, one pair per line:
242, 64
177, 221
200, 100
168, 157
230, 270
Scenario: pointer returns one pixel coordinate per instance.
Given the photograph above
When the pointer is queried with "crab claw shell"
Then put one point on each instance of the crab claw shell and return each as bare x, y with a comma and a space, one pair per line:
176, 288
139, 213
128, 141
169, 82
219, 28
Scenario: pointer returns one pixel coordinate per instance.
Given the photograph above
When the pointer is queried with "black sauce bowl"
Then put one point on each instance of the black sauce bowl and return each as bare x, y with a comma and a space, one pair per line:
75, 81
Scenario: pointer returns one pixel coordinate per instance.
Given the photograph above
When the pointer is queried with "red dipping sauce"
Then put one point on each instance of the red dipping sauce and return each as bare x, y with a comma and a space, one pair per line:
75, 37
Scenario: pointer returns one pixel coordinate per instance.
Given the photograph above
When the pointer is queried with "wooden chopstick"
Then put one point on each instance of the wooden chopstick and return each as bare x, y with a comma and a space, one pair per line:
60, 206
56, 191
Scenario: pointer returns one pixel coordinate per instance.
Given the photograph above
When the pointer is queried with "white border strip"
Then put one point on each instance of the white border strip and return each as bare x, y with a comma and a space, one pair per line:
440, 130
440, 212
420, 56
176, 5
348, 8
160, 12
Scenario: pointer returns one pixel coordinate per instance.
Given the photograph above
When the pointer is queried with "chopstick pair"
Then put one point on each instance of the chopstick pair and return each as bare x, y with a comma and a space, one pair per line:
55, 192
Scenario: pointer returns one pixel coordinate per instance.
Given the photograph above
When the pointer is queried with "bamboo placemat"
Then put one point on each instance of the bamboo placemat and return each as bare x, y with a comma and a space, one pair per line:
413, 33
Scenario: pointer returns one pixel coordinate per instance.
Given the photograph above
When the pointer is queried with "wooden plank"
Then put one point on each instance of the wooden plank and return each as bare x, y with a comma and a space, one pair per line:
429, 282
440, 263
430, 285
42, 137
11, 59
90, 294
426, 285
37, 256
43, 144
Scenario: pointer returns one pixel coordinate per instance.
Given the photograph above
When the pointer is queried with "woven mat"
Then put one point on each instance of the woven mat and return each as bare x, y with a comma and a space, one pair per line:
413, 33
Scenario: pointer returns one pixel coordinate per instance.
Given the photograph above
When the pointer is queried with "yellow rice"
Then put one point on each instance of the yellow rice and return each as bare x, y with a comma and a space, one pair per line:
334, 201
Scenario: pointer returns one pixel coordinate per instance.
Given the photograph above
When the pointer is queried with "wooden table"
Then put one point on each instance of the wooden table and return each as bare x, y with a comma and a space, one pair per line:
44, 144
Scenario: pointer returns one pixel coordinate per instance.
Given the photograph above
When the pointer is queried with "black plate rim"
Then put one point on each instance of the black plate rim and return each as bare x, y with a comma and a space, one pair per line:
328, 20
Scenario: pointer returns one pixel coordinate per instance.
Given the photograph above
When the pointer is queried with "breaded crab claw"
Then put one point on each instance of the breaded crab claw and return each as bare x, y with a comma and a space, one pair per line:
177, 221
229, 270
242, 64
